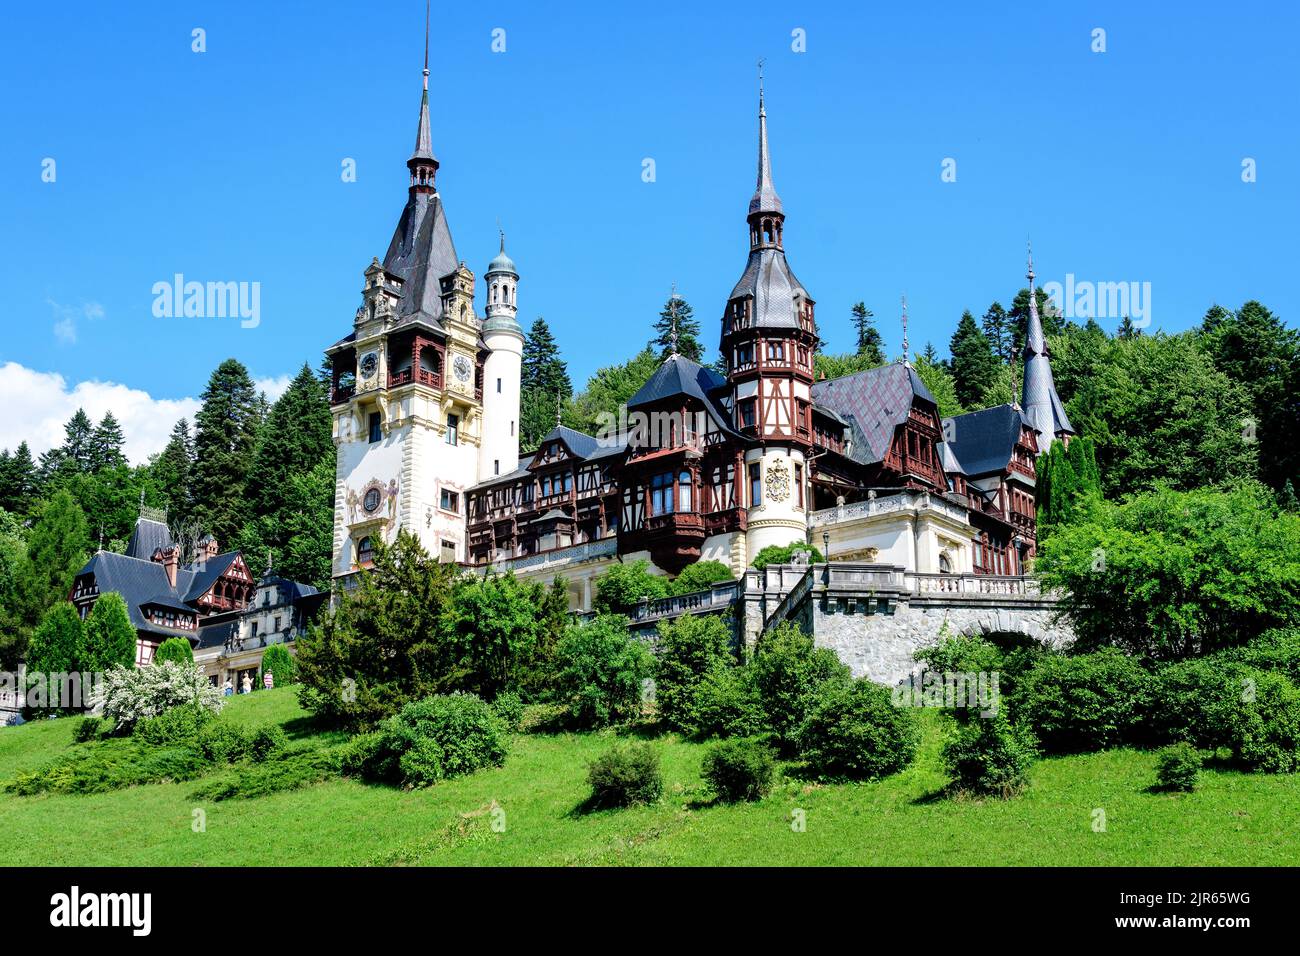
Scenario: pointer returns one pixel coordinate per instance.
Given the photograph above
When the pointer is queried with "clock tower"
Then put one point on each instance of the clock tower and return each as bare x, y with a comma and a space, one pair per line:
408, 395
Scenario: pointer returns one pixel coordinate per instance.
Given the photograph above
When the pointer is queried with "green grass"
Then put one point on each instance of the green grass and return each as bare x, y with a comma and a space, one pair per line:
1232, 819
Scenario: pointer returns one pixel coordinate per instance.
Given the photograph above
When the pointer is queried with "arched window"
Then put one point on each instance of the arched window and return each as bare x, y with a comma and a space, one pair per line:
684, 491
365, 550
945, 566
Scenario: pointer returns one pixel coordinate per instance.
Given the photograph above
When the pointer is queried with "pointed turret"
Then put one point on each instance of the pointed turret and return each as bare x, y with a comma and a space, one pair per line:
765, 199
1042, 406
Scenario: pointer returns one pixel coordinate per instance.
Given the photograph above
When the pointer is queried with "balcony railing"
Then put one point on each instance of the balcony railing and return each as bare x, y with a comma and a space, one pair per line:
408, 375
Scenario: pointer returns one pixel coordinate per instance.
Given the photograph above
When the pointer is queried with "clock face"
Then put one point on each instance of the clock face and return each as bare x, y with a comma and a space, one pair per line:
369, 362
461, 366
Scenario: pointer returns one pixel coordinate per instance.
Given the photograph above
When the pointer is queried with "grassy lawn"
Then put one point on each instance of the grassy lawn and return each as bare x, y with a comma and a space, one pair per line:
1233, 818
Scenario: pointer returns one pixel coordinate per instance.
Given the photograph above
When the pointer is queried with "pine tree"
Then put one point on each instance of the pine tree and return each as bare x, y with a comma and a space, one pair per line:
17, 479
545, 385
78, 442
294, 439
58, 646
931, 354
688, 331
106, 444
1127, 330
173, 470
110, 638
56, 551
997, 328
974, 366
870, 345
226, 435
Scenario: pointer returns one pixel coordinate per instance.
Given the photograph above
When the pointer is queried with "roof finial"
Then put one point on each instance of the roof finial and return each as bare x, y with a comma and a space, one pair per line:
761, 110
557, 406
672, 313
906, 361
426, 45
765, 198
1031, 264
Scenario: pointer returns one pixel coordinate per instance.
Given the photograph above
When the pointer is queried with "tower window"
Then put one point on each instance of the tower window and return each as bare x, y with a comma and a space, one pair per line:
365, 551
453, 429
498, 386
661, 494
512, 427
376, 432
449, 500
684, 491
747, 412
448, 552
798, 484
496, 466
755, 486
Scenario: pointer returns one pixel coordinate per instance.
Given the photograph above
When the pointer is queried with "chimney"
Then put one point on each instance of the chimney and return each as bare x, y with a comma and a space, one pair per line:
207, 548
169, 559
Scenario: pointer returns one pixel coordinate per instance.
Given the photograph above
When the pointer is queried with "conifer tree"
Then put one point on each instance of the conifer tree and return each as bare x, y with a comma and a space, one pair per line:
106, 443
997, 328
58, 646
17, 479
172, 471
545, 386
869, 343
109, 636
226, 434
974, 366
295, 437
688, 330
56, 551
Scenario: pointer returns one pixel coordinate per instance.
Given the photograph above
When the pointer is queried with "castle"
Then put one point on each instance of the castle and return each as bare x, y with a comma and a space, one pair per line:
714, 466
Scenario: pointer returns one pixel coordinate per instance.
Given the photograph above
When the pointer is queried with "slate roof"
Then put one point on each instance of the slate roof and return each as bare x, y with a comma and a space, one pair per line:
1043, 408
982, 442
769, 279
202, 577
140, 583
147, 537
421, 252
874, 403
679, 375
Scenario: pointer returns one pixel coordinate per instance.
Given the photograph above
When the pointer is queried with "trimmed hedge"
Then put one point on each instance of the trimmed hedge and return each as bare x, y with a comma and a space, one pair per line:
1177, 767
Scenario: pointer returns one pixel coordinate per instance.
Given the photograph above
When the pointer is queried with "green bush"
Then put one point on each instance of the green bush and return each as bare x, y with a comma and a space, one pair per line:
1266, 734
726, 703
1086, 702
440, 736
784, 554
990, 755
87, 728
223, 742
686, 649
1199, 701
599, 670
291, 770
854, 730
699, 576
266, 742
174, 649
180, 725
1275, 650
623, 776
279, 663
623, 585
110, 635
510, 708
365, 756
739, 770
788, 671
1177, 767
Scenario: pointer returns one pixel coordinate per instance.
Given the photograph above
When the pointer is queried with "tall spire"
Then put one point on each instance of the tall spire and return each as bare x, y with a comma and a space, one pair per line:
765, 198
423, 164
1041, 405
672, 313
906, 359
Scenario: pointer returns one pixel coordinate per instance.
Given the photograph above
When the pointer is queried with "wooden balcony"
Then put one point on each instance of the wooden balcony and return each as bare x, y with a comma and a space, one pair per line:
409, 375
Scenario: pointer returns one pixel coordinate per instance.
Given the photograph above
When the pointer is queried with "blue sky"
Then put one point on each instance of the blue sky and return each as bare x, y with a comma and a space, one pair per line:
225, 166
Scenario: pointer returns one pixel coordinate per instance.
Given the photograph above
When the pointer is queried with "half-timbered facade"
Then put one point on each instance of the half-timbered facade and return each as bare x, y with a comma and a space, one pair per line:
702, 464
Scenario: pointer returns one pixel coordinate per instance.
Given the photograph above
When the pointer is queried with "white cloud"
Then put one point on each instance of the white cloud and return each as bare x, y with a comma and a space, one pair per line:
37, 404
274, 387
66, 316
